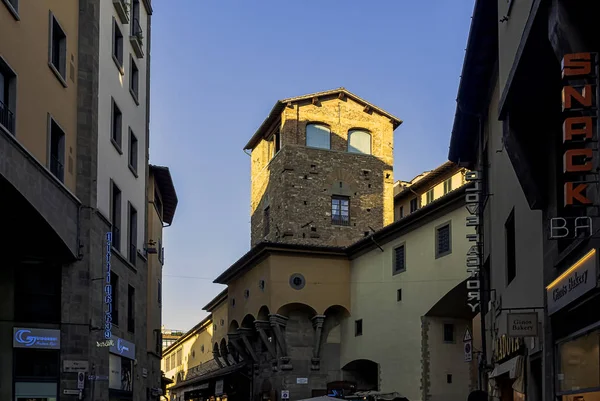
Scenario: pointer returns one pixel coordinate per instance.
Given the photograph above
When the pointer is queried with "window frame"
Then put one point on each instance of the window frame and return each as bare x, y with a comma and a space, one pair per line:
13, 8
61, 70
320, 125
358, 327
135, 91
362, 131
132, 233
116, 215
429, 196
438, 253
52, 122
114, 297
133, 146
130, 308
399, 295
394, 258
10, 87
448, 185
116, 138
401, 211
118, 58
410, 205
340, 221
453, 340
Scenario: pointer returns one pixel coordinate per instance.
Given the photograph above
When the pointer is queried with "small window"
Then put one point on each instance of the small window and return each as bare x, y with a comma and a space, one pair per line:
449, 378
429, 196
399, 294
233, 302
447, 186
116, 216
448, 333
443, 243
414, 205
130, 309
267, 221
133, 152
116, 126
399, 259
114, 300
134, 80
117, 45
510, 238
340, 210
57, 151
222, 322
359, 141
318, 136
401, 211
358, 327
8, 92
297, 281
246, 293
58, 50
132, 228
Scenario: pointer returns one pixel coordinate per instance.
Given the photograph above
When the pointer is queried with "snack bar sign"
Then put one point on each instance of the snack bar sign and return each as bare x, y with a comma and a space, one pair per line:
473, 201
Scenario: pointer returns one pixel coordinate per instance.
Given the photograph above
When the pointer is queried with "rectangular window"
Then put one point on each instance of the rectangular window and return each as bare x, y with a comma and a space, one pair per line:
578, 362
114, 283
340, 210
117, 45
358, 327
401, 211
130, 309
56, 151
449, 378
159, 292
8, 92
116, 130
133, 152
135, 15
115, 217
399, 259
399, 294
134, 80
267, 221
414, 205
510, 238
443, 242
179, 358
447, 186
448, 333
58, 50
132, 229
430, 196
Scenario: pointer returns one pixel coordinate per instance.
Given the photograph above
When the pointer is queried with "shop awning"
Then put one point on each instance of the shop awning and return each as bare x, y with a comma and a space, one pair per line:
210, 375
512, 367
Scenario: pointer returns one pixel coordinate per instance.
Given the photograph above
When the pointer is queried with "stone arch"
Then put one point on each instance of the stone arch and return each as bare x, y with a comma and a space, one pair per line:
332, 327
263, 313
248, 322
233, 326
286, 309
339, 183
363, 372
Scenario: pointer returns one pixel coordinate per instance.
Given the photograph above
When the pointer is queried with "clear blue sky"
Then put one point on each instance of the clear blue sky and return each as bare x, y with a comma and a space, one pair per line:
218, 66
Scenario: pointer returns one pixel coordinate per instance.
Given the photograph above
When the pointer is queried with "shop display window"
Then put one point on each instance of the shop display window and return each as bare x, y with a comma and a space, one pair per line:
578, 361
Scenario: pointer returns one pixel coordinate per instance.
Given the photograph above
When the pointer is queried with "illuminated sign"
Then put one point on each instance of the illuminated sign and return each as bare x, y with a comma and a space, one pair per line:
507, 347
104, 344
122, 347
108, 291
473, 200
36, 338
578, 127
576, 281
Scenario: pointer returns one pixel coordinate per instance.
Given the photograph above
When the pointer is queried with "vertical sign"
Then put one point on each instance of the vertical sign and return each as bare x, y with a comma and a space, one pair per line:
468, 346
473, 201
108, 291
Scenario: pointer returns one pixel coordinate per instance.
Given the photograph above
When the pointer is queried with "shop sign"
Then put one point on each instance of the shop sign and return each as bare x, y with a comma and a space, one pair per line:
219, 388
301, 380
70, 366
122, 347
473, 200
108, 290
576, 281
507, 347
36, 338
522, 324
104, 344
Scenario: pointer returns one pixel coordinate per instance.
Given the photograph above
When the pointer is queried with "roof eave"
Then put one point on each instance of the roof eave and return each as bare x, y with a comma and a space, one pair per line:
216, 301
166, 187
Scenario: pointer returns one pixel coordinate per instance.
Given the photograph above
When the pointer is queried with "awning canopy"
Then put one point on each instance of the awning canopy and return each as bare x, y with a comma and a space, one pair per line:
512, 367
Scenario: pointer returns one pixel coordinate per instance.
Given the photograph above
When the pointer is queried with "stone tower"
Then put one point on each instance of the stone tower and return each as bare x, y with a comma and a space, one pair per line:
322, 170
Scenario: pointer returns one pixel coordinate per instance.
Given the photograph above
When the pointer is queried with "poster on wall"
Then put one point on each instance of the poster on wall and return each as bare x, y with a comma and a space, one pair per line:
120, 374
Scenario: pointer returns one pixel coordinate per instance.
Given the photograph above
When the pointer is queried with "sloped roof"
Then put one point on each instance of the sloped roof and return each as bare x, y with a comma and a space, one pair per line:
163, 178
280, 105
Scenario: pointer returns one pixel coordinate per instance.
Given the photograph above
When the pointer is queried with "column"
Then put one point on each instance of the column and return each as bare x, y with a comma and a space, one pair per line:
278, 323
317, 322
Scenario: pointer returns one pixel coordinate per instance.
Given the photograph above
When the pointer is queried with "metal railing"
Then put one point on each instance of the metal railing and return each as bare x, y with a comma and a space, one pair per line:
340, 220
57, 168
7, 118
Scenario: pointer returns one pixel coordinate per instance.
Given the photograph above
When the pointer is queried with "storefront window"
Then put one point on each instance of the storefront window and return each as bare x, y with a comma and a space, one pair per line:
579, 364
595, 396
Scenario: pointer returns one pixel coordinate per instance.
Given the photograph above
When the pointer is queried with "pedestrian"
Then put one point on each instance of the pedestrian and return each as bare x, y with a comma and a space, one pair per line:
477, 395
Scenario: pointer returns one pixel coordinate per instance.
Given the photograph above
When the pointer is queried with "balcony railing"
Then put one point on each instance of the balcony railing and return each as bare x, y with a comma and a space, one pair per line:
57, 168
7, 118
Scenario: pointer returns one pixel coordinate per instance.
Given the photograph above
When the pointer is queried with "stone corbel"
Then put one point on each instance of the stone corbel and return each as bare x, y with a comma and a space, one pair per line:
224, 355
317, 322
262, 326
233, 352
234, 339
244, 334
216, 355
278, 322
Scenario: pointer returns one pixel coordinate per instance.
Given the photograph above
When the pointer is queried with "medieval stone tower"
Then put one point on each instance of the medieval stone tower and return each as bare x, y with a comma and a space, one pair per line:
322, 170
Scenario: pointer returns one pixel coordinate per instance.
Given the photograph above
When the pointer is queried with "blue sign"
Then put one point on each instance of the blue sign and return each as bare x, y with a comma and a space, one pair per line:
123, 348
36, 338
108, 291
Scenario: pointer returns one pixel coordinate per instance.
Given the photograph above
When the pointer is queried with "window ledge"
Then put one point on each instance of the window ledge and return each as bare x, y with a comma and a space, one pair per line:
134, 96
123, 259
116, 145
133, 171
119, 65
395, 273
58, 74
12, 10
441, 255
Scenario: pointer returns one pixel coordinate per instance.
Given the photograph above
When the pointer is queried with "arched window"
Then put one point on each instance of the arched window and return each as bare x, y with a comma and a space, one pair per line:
359, 141
318, 136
